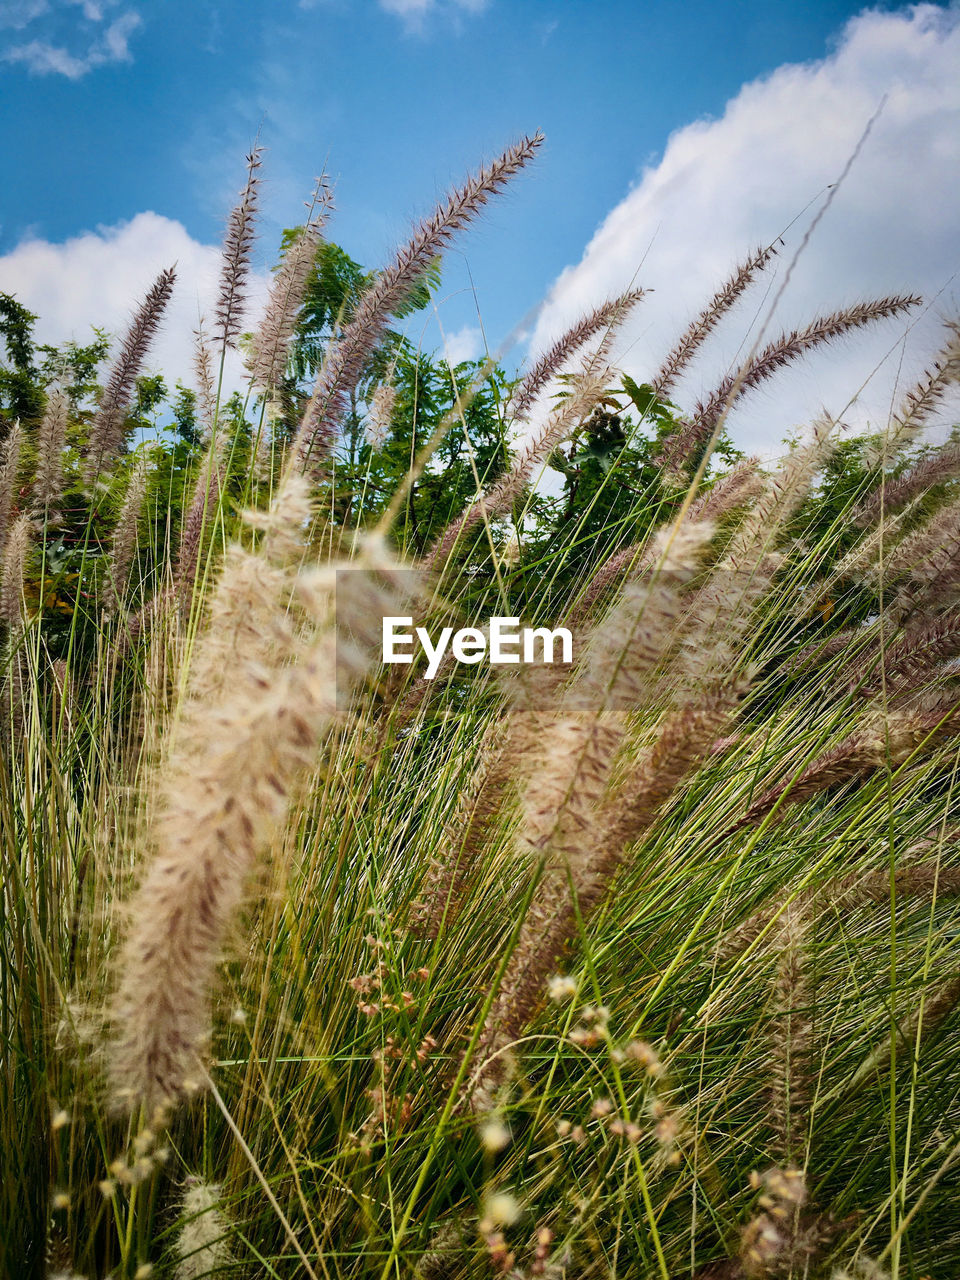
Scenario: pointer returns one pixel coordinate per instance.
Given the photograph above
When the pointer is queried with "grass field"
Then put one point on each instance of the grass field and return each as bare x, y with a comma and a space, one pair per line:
644, 965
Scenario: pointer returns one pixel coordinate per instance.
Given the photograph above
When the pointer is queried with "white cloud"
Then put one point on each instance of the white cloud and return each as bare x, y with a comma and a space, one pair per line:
97, 279
92, 11
464, 344
97, 47
414, 11
725, 185
407, 8
17, 14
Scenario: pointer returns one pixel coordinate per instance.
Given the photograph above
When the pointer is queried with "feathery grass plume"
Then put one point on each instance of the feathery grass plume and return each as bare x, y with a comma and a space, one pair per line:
124, 543
242, 746
348, 354
569, 769
862, 1269
735, 489
202, 1244
928, 563
609, 315
703, 325
880, 741
9, 471
51, 441
271, 343
203, 507
911, 660
926, 397
778, 1241
917, 880
567, 825
586, 391
108, 430
937, 468
775, 356
684, 740
237, 250
740, 485
15, 555
377, 426
743, 935
786, 489
923, 880
625, 648
790, 1032
720, 613
13, 616
206, 389
710, 650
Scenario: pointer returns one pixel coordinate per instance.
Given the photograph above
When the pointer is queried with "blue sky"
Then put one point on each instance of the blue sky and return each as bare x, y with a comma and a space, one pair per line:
113, 110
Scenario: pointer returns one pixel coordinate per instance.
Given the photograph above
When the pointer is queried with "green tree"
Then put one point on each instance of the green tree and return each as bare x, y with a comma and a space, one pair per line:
425, 392
21, 393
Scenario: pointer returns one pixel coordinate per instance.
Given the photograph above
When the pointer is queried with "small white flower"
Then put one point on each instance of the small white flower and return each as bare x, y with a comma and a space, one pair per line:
561, 987
502, 1209
494, 1135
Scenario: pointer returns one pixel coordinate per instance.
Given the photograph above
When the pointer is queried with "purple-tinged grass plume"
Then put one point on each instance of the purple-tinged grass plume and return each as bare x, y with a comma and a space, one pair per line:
776, 355
108, 431
391, 288
271, 341
703, 325
9, 479
51, 442
237, 250
608, 316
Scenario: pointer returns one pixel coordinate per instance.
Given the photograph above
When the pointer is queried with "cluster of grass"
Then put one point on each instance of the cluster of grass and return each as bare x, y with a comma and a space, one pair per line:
644, 965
